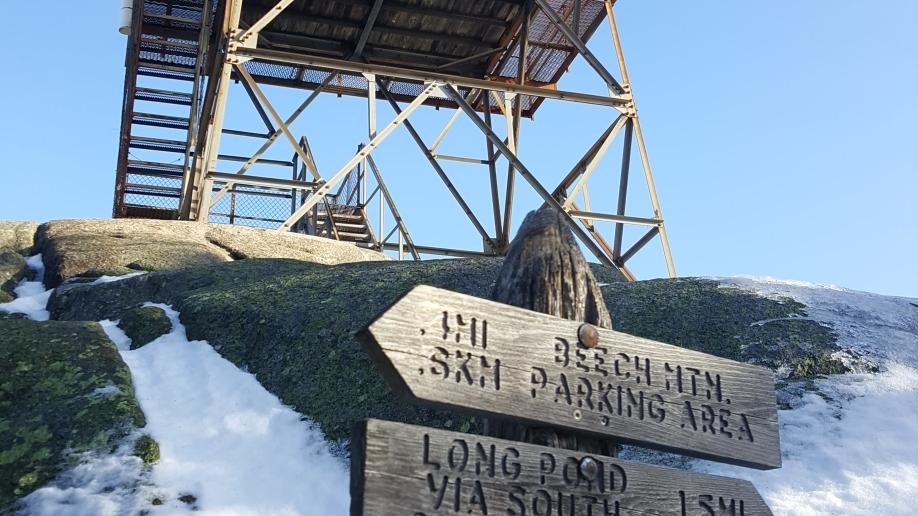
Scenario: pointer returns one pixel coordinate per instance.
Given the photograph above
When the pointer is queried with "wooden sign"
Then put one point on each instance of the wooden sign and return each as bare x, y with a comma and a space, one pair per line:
400, 469
462, 352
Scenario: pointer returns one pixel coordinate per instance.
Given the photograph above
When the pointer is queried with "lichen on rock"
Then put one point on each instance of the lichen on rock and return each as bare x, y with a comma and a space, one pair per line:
16, 241
64, 390
12, 270
144, 324
729, 322
74, 248
147, 449
17, 236
292, 324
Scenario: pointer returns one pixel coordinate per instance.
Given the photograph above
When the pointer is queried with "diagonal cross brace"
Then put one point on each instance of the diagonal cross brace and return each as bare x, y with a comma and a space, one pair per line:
365, 151
577, 169
367, 29
451, 92
580, 46
264, 20
260, 95
590, 166
399, 222
275, 135
438, 168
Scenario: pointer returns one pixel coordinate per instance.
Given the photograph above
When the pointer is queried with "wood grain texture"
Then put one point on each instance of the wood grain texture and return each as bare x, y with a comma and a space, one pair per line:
545, 272
456, 351
400, 469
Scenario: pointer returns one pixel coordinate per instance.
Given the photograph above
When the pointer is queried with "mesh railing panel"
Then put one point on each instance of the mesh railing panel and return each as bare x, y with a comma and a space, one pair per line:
253, 206
153, 191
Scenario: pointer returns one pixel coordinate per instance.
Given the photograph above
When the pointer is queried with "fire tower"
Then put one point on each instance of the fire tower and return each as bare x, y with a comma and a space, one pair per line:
492, 62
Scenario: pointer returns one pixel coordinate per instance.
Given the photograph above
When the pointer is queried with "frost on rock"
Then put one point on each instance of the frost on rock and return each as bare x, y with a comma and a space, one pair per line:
848, 443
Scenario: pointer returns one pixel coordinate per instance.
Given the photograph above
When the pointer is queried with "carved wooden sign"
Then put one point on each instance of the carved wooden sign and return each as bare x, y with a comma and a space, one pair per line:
462, 352
400, 469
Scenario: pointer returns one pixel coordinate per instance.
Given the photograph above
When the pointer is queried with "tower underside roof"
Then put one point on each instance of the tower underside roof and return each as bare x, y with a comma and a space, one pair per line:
478, 39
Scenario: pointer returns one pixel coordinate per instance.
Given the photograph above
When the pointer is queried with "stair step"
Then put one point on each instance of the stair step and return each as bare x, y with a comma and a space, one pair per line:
342, 217
153, 190
152, 168
193, 5
166, 43
157, 144
157, 120
164, 71
344, 235
349, 226
163, 96
149, 212
173, 19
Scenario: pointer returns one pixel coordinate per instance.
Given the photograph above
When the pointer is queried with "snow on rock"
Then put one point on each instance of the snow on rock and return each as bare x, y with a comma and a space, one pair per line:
884, 328
31, 296
229, 447
109, 279
848, 446
223, 438
852, 454
100, 485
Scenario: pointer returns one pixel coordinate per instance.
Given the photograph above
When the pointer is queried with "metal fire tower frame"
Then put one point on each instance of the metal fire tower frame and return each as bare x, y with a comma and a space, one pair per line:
485, 59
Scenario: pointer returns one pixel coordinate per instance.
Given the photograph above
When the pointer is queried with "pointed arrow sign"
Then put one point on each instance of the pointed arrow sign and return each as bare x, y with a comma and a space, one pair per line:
456, 351
399, 469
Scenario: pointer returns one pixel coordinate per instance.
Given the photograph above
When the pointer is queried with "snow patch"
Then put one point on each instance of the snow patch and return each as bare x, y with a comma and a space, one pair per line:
31, 296
224, 438
108, 390
770, 280
100, 485
851, 454
848, 447
109, 279
116, 334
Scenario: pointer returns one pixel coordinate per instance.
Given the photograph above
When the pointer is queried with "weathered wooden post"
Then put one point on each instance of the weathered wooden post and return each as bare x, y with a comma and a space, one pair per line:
545, 272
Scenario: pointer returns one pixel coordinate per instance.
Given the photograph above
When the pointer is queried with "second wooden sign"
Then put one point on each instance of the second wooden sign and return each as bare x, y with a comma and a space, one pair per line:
399, 469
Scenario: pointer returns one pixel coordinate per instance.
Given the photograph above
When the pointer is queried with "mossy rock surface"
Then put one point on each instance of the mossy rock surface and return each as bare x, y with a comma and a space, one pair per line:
144, 324
292, 324
729, 322
63, 390
147, 449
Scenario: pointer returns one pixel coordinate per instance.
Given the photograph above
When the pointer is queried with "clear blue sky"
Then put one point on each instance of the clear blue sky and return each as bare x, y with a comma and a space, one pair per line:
782, 134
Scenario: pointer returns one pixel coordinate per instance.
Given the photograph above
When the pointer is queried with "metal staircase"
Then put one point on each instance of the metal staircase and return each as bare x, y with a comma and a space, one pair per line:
348, 227
163, 86
164, 92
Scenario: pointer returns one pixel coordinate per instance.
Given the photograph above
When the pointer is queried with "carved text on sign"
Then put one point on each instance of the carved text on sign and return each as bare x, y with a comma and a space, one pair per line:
610, 384
412, 470
462, 352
